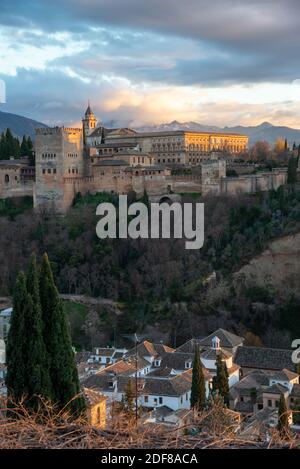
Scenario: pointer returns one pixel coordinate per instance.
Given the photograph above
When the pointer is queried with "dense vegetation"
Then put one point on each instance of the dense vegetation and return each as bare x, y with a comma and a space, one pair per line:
159, 282
14, 206
10, 146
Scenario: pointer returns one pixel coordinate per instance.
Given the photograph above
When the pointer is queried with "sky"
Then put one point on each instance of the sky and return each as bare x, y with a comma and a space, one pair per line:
139, 62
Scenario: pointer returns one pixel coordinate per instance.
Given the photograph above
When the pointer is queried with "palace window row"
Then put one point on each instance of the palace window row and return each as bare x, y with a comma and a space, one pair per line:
48, 155
49, 171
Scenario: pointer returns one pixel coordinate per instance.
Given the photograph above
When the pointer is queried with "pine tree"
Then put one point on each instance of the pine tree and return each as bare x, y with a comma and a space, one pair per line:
198, 383
38, 379
222, 379
15, 350
283, 421
62, 368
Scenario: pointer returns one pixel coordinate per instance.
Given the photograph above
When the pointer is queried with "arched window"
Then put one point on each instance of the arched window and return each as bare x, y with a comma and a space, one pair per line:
98, 415
6, 178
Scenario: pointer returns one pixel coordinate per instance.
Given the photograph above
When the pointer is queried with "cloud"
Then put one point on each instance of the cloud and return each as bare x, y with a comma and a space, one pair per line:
127, 104
152, 60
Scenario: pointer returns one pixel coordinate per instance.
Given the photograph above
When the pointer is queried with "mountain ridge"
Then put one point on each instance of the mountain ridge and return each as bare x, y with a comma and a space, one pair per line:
19, 125
264, 131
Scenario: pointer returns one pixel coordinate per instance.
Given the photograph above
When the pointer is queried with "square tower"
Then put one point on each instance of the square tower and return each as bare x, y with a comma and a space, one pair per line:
58, 155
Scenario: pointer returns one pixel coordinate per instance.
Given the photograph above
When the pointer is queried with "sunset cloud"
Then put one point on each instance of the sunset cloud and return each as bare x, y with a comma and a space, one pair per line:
225, 62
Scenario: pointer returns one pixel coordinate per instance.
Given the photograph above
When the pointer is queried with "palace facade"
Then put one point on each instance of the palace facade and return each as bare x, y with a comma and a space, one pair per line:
95, 159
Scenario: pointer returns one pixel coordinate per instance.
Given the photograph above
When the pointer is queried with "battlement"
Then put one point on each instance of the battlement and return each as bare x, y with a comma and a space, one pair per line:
57, 130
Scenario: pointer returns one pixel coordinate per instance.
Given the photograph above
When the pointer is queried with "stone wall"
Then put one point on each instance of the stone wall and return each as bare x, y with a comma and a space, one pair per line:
253, 183
12, 183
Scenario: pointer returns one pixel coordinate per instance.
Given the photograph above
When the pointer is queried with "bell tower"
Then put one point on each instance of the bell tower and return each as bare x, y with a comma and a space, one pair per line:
89, 121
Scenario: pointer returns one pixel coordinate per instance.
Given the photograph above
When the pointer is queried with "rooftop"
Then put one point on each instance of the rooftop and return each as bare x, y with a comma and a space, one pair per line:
276, 389
264, 358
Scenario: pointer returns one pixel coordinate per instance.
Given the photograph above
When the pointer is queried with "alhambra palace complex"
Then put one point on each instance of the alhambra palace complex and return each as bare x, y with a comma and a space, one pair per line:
94, 159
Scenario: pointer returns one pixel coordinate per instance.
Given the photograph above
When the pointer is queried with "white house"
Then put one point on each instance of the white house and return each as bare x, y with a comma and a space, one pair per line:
209, 361
106, 355
286, 378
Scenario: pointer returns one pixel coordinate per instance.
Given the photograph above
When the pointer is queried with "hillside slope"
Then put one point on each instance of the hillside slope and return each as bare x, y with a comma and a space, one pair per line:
19, 125
279, 264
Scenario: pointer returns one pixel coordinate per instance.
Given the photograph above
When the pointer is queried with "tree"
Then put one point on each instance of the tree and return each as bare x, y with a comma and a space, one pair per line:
222, 379
198, 383
280, 146
292, 171
37, 374
9, 146
253, 340
62, 368
15, 350
285, 145
283, 420
260, 151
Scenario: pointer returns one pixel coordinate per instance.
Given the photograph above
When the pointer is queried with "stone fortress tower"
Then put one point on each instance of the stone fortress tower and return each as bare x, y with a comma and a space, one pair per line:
59, 155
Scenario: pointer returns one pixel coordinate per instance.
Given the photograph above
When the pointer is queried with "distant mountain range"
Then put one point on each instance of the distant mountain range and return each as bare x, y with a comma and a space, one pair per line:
264, 131
19, 125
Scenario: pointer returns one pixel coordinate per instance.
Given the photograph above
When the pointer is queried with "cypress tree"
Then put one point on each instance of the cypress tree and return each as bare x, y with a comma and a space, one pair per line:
62, 368
24, 146
283, 421
198, 383
292, 170
38, 379
222, 379
15, 349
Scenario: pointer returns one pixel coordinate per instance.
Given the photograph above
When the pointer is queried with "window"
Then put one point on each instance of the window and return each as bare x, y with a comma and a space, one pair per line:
44, 171
54, 171
6, 178
160, 400
49, 171
269, 403
146, 399
107, 360
277, 403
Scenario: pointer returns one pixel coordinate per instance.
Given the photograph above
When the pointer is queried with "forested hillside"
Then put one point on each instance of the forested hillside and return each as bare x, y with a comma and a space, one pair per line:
158, 284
